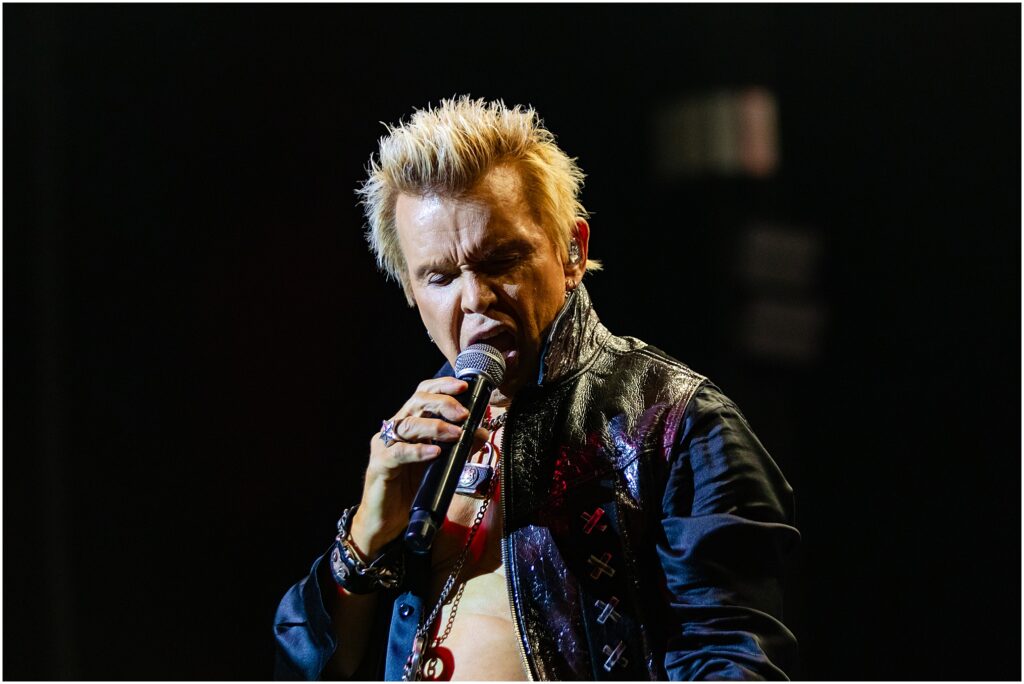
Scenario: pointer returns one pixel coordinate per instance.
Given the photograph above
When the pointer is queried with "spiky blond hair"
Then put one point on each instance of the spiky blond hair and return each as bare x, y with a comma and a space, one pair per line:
447, 149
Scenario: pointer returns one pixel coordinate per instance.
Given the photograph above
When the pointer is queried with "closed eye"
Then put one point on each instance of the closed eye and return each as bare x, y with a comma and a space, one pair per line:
502, 263
440, 278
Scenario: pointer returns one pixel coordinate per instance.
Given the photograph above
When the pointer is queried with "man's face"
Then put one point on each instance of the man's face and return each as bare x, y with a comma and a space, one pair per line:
482, 270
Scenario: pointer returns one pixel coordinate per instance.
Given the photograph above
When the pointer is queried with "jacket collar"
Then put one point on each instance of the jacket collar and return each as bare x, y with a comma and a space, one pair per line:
574, 340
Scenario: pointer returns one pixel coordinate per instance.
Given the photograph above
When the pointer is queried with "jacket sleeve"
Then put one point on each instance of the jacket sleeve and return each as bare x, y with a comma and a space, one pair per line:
302, 629
728, 516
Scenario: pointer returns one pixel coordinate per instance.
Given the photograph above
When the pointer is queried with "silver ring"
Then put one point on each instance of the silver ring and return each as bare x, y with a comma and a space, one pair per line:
387, 432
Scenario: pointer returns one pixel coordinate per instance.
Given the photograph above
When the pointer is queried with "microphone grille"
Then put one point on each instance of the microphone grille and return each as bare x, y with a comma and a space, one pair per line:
481, 359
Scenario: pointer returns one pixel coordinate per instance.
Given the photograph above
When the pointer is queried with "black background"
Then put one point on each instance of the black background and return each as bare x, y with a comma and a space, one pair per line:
197, 346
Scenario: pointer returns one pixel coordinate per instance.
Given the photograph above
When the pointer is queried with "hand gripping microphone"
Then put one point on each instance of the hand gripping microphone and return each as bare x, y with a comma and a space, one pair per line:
483, 367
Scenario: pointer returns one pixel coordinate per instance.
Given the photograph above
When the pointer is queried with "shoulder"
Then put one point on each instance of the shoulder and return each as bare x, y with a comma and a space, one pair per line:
709, 404
650, 367
705, 400
728, 467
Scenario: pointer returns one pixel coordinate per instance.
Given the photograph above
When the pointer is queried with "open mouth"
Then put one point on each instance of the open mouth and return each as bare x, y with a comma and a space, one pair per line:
504, 342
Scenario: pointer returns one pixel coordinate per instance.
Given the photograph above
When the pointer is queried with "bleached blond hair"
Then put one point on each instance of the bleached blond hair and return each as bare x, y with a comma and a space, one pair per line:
446, 150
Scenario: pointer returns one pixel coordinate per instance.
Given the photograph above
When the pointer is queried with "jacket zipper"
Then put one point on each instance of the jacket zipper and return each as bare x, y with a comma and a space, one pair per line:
507, 541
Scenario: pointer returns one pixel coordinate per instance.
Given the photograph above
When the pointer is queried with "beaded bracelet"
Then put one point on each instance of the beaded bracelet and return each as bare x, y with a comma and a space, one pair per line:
353, 574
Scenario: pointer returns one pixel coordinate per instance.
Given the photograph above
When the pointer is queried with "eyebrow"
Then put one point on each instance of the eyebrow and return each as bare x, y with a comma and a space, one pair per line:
487, 252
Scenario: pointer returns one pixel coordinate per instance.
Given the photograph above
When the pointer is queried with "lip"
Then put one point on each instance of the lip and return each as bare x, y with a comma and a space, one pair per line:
488, 334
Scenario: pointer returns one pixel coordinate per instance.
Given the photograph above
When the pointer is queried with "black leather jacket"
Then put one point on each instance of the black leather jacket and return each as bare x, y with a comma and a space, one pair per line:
646, 527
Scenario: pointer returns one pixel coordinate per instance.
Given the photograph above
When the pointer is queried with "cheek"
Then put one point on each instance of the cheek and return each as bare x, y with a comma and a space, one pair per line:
539, 298
441, 317
551, 282
520, 298
433, 310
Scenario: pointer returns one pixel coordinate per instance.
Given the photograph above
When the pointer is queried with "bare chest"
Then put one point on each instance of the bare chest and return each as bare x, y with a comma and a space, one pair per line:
473, 637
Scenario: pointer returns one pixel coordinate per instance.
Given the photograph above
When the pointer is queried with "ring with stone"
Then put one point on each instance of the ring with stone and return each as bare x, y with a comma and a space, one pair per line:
387, 432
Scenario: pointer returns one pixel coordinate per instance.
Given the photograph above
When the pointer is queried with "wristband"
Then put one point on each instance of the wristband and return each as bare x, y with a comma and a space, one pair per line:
352, 574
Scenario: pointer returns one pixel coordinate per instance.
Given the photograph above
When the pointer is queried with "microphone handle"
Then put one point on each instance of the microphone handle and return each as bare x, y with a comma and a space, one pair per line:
442, 475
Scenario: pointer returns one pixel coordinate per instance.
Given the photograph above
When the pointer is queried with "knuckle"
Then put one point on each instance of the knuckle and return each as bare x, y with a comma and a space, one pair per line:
425, 451
376, 445
393, 456
415, 452
447, 432
409, 428
420, 397
378, 453
454, 407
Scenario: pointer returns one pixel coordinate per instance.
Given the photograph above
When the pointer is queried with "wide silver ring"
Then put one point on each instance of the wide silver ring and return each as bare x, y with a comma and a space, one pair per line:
387, 432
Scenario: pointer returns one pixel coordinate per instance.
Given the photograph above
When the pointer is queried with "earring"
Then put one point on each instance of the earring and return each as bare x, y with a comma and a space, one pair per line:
574, 251
431, 339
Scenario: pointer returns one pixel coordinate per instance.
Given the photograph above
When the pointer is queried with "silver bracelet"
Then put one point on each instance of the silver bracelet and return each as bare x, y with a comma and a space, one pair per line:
352, 573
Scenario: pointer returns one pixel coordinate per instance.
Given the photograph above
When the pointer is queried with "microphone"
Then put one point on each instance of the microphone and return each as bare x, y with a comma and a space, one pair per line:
483, 367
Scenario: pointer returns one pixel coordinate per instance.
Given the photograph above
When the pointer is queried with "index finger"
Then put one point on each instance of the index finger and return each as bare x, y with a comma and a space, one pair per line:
446, 385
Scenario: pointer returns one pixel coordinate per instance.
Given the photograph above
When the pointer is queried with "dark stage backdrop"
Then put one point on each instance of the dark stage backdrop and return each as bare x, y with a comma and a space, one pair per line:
197, 347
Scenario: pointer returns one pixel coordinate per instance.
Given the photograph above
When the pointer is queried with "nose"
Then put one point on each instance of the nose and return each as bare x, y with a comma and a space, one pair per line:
477, 293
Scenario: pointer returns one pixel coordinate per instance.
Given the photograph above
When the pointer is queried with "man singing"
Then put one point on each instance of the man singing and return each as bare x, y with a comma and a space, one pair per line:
618, 519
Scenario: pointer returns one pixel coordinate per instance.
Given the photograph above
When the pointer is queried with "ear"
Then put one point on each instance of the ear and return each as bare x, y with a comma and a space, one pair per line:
581, 234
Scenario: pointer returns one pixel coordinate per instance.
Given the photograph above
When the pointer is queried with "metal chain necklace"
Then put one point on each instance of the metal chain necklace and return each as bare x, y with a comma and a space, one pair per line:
431, 667
494, 424
413, 670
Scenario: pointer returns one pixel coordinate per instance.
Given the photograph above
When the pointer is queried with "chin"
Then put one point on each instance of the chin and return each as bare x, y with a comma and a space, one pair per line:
499, 397
503, 395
